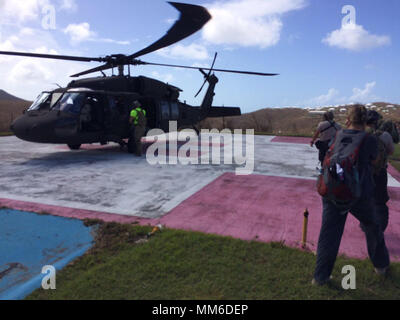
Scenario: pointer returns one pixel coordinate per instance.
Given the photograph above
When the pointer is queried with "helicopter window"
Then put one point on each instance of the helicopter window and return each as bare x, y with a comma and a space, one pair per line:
54, 98
174, 111
164, 110
71, 102
41, 99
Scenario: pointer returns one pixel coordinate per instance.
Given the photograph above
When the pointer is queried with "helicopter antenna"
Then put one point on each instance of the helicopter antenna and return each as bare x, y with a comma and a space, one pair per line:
57, 85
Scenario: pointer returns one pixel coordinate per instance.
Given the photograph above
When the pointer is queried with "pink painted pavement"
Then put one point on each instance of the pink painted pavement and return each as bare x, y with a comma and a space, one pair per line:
269, 209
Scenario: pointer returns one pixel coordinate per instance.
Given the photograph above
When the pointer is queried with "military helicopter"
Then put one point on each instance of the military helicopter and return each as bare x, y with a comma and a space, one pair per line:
96, 110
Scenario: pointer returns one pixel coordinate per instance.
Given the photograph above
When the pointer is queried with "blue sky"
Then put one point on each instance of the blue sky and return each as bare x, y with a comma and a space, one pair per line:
320, 60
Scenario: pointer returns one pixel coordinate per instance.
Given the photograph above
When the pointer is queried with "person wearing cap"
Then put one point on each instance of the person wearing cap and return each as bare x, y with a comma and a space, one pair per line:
380, 167
138, 124
326, 131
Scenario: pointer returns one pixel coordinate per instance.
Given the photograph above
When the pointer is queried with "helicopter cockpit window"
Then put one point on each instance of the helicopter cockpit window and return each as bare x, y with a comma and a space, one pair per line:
54, 98
71, 102
42, 99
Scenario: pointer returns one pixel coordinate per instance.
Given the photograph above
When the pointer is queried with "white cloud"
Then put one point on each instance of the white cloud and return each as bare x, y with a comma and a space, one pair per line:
30, 70
68, 5
248, 22
26, 77
79, 32
122, 43
12, 11
192, 51
355, 38
325, 98
364, 95
163, 77
332, 97
170, 21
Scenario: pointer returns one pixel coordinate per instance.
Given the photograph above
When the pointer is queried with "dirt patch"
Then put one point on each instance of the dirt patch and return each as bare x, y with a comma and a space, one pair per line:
112, 236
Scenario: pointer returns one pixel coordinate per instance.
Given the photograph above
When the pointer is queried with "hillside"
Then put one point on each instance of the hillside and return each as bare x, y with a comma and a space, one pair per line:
293, 121
11, 107
5, 96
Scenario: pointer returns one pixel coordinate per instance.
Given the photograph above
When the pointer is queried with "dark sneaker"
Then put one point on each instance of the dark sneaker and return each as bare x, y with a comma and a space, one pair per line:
314, 282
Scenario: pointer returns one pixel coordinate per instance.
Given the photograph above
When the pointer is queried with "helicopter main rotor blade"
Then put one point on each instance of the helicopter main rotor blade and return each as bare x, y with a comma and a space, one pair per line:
209, 69
97, 69
51, 56
191, 20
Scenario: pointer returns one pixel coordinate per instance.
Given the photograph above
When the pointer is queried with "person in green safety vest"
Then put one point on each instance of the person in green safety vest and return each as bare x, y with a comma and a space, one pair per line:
138, 124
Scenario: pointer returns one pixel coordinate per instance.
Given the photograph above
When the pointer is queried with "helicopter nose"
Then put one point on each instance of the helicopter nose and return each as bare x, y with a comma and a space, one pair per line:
33, 129
24, 129
18, 128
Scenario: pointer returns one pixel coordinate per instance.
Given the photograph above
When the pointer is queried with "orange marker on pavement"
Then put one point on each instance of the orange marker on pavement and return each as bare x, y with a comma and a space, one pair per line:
305, 225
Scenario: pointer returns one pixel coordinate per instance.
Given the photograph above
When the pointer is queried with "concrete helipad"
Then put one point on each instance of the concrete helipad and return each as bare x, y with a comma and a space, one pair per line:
102, 182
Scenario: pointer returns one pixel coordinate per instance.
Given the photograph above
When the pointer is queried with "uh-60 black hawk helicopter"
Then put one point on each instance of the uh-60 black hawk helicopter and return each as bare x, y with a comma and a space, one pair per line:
97, 110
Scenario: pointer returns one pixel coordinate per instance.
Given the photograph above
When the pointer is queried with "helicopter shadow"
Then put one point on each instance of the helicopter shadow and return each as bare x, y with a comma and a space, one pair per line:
83, 156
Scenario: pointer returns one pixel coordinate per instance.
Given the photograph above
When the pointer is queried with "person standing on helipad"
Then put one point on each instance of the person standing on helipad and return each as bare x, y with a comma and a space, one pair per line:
138, 124
326, 131
385, 148
334, 215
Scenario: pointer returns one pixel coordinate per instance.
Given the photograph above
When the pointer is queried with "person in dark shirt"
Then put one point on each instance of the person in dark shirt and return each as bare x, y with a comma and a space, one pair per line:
380, 167
334, 219
326, 131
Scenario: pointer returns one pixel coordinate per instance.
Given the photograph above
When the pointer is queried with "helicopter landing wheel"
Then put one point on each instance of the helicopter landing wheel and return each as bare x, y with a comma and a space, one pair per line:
74, 146
131, 144
122, 145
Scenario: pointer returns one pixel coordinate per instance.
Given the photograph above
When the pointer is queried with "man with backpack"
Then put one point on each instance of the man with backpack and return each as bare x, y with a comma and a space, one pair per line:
326, 131
346, 185
385, 149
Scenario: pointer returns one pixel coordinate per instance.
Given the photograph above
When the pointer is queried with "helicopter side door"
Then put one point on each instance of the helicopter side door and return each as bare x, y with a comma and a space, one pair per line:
168, 111
118, 116
92, 114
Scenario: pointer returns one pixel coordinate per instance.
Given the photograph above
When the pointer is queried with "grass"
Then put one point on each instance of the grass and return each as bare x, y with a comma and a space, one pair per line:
394, 159
6, 134
189, 265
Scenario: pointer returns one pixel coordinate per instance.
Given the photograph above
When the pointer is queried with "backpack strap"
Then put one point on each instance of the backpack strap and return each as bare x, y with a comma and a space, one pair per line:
332, 124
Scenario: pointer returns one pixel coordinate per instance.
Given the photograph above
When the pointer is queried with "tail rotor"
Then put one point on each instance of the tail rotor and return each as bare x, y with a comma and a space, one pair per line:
206, 76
